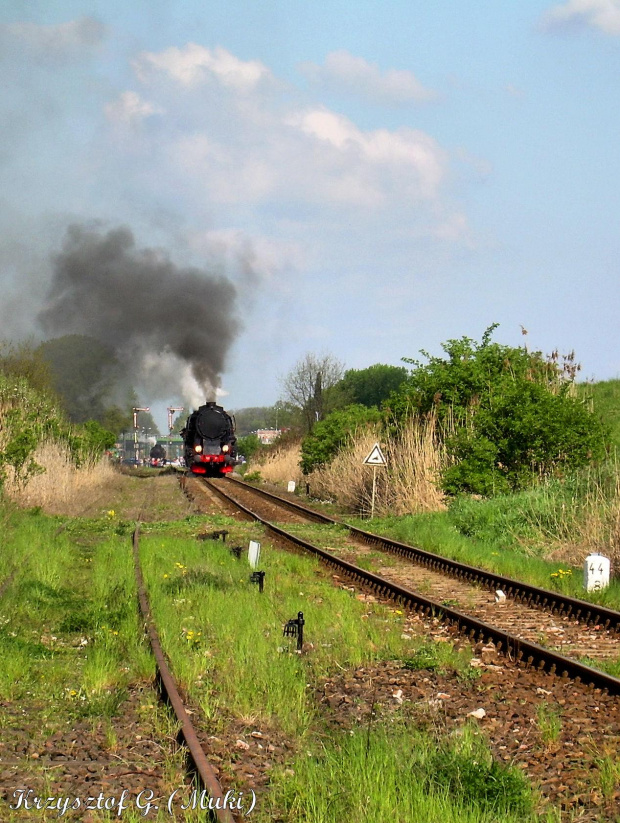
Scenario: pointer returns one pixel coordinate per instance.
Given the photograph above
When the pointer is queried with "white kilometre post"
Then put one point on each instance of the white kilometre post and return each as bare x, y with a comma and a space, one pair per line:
596, 569
374, 459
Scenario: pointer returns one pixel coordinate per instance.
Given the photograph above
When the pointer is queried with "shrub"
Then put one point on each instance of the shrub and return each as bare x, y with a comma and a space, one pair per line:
248, 446
30, 418
508, 416
329, 435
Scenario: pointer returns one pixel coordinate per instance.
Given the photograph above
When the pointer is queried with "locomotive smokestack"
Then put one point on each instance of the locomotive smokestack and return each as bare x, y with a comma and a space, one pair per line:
151, 312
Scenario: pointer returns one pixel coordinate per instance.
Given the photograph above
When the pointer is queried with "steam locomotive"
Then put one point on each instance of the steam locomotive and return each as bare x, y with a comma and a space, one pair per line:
210, 445
157, 455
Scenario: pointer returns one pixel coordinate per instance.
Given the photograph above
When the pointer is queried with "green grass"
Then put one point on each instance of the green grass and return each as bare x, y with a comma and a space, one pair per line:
202, 596
225, 643
392, 772
71, 639
68, 625
606, 403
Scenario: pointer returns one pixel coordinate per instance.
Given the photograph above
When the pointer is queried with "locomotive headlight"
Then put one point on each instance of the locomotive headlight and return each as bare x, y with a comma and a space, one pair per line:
225, 449
198, 448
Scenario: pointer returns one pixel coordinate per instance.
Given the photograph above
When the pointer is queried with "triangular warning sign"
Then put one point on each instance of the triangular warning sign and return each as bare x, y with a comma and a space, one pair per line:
376, 458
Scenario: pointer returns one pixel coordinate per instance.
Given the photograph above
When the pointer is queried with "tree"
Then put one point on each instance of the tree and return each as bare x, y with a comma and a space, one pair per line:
508, 415
307, 386
116, 420
147, 424
25, 360
248, 446
370, 386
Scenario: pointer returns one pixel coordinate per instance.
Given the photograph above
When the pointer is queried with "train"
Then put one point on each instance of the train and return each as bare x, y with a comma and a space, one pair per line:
209, 442
158, 455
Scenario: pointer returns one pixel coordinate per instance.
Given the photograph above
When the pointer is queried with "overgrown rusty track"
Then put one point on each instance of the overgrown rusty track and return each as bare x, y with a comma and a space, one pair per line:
203, 771
508, 641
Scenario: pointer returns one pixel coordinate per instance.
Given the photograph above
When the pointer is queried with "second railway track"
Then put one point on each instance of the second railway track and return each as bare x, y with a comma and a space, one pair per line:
542, 628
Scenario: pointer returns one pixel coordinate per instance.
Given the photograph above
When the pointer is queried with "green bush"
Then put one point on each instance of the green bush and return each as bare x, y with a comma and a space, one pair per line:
248, 446
329, 435
508, 415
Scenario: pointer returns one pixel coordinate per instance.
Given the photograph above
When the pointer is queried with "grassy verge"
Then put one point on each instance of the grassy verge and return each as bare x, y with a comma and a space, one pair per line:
226, 646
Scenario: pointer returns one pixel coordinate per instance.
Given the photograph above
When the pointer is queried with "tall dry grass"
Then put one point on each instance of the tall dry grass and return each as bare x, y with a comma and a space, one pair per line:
586, 517
346, 480
409, 482
282, 465
61, 488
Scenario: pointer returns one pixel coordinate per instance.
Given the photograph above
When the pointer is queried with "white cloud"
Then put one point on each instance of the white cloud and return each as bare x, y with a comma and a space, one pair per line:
597, 14
312, 157
343, 71
406, 156
295, 173
59, 42
130, 108
195, 64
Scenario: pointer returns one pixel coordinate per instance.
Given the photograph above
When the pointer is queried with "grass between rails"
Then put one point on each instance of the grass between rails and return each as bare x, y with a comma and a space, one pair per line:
226, 646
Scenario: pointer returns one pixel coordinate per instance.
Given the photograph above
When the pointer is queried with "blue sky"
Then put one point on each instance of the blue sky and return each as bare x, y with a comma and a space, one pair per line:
393, 175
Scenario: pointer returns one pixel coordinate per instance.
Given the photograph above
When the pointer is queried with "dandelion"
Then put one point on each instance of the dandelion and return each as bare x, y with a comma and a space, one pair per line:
561, 574
111, 513
165, 575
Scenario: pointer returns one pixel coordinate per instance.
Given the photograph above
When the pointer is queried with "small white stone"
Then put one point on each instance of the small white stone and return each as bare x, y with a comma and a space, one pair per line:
477, 713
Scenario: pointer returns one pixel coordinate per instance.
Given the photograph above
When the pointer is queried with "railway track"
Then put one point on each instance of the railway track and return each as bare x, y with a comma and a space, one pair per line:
537, 627
200, 767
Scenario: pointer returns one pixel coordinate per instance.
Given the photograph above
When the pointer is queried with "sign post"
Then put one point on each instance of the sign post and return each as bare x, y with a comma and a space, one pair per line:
374, 459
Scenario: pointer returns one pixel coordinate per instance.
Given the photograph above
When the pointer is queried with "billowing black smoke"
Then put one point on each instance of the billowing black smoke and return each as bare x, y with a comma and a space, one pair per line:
151, 312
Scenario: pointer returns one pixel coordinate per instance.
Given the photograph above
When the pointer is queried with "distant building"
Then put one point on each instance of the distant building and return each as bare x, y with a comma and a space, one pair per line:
267, 436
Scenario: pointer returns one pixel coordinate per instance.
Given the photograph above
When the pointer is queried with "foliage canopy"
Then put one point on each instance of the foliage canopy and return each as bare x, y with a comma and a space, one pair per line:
370, 386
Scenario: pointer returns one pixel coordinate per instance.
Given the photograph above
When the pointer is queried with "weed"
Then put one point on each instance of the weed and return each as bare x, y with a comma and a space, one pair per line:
549, 723
426, 657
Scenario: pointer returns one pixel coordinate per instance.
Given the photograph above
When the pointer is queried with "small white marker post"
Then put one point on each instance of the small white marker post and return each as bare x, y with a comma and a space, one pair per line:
374, 459
254, 554
596, 569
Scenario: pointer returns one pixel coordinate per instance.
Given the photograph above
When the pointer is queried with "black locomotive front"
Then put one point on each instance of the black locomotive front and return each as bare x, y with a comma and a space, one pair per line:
210, 445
